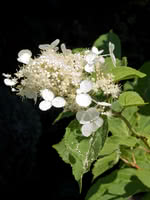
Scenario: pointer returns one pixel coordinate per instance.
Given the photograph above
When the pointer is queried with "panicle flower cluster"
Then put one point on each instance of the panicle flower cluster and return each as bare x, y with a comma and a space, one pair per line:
68, 80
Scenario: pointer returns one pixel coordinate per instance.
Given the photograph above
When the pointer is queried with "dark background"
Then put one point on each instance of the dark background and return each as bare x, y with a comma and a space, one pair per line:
28, 164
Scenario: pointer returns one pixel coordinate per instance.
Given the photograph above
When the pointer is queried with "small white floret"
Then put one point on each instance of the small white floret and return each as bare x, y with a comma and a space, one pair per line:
86, 86
83, 100
9, 82
24, 56
89, 68
97, 123
45, 105
90, 58
47, 95
59, 102
96, 51
87, 129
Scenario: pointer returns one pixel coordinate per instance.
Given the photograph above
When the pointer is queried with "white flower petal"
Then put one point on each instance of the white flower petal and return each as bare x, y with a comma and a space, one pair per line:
45, 105
80, 116
89, 68
44, 46
87, 129
83, 100
9, 82
90, 58
97, 123
91, 114
86, 86
47, 95
96, 51
111, 51
6, 75
58, 102
24, 56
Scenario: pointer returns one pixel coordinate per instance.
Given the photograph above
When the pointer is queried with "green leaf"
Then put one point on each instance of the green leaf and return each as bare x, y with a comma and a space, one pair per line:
62, 151
120, 184
63, 115
143, 175
82, 150
123, 73
105, 163
143, 87
116, 106
103, 42
131, 98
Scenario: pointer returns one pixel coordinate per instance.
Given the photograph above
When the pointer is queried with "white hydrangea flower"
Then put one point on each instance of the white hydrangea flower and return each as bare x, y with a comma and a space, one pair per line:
111, 51
24, 56
90, 121
83, 99
50, 100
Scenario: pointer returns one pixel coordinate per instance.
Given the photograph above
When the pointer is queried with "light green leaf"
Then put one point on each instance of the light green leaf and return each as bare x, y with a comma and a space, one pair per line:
62, 151
103, 41
123, 73
116, 106
120, 184
131, 98
105, 163
84, 151
143, 175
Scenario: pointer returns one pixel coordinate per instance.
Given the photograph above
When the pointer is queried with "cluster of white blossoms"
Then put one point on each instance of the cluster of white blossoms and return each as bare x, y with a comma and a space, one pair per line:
68, 80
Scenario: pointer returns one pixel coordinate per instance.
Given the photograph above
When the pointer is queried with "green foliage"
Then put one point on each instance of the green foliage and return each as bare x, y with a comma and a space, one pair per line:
120, 184
126, 149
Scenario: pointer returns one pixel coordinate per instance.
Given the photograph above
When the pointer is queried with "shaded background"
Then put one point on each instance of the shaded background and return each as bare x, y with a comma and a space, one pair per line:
28, 164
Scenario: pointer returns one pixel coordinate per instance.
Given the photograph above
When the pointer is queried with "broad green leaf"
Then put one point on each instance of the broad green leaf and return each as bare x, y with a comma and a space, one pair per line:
105, 163
130, 98
120, 184
83, 150
144, 176
123, 73
103, 41
146, 196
